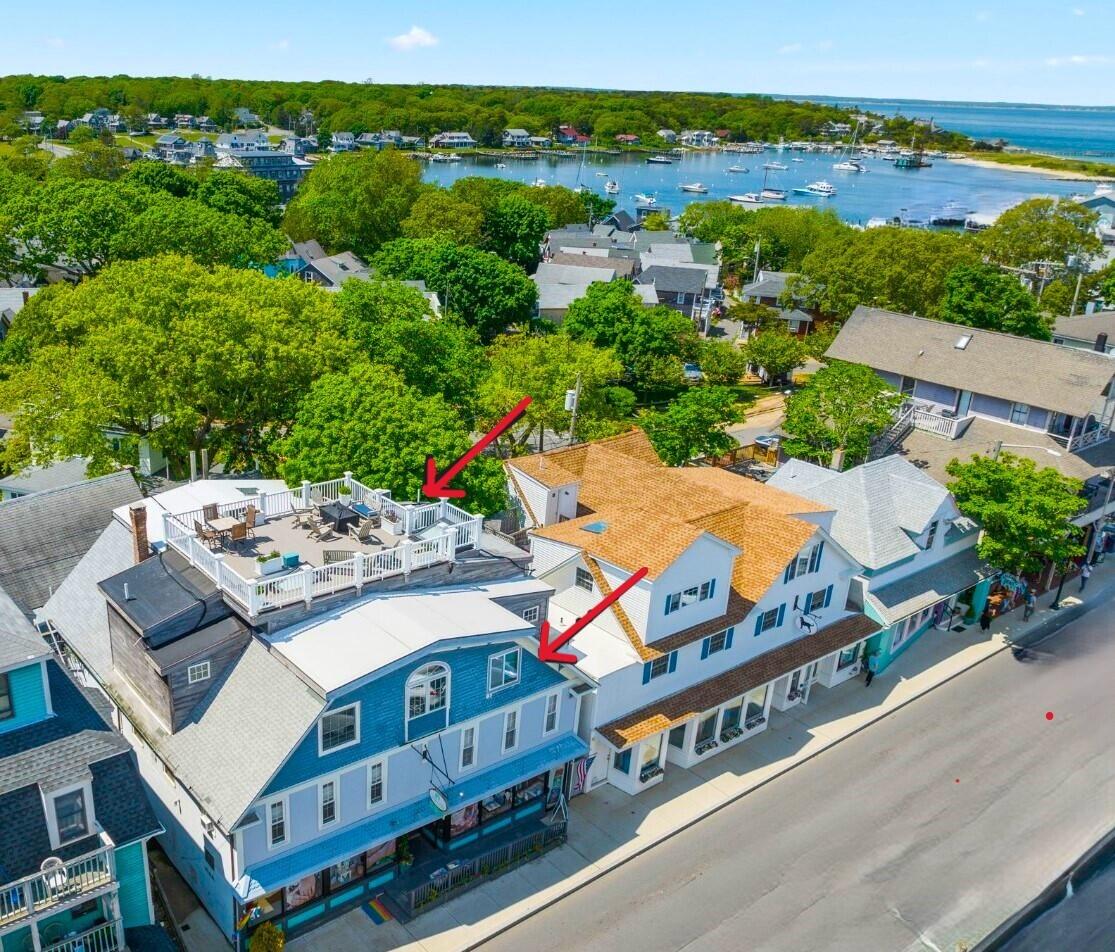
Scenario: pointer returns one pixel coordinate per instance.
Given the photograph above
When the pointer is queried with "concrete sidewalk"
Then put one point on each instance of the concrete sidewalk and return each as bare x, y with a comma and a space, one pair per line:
608, 827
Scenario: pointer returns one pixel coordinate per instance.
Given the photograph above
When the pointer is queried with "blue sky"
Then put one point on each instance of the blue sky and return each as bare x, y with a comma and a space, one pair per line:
1019, 52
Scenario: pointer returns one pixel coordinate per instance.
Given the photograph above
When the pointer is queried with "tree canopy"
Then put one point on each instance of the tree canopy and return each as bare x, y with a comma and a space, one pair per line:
776, 350
694, 425
1042, 229
983, 296
1025, 512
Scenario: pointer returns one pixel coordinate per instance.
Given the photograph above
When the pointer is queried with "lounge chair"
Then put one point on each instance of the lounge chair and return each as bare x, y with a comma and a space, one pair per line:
363, 532
323, 532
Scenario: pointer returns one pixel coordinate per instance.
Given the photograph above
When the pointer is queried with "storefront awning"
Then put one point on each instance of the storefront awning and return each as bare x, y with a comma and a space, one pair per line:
262, 878
678, 708
924, 589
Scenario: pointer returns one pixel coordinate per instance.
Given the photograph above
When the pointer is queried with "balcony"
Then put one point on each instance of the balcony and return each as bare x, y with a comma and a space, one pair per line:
102, 938
58, 885
930, 419
410, 536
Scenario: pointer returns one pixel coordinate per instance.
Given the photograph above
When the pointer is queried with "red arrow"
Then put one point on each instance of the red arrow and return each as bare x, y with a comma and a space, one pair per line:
437, 487
548, 650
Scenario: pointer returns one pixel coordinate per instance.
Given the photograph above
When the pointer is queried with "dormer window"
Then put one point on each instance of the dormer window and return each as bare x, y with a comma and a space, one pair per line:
339, 728
931, 535
7, 709
71, 815
503, 669
427, 690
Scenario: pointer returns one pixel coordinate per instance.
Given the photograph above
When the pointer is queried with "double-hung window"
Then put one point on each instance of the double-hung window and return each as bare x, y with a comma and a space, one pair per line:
770, 619
690, 596
550, 720
328, 802
7, 709
340, 728
510, 730
721, 641
659, 666
276, 823
375, 783
931, 535
70, 816
468, 747
805, 563
503, 669
427, 690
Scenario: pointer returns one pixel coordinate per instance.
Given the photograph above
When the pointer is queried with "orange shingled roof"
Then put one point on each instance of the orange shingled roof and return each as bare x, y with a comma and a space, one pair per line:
749, 490
563, 466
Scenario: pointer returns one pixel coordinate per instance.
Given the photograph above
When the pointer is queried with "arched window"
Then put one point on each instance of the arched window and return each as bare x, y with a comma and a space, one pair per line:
427, 690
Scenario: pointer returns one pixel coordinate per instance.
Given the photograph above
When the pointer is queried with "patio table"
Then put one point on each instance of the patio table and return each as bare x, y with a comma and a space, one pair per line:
224, 523
339, 516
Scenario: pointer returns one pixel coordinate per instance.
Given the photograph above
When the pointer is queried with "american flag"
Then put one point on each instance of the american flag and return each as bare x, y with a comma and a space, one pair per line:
584, 764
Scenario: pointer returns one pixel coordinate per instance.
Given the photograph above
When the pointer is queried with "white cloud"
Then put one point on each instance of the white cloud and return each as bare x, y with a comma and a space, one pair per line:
790, 48
55, 41
1079, 59
281, 45
413, 39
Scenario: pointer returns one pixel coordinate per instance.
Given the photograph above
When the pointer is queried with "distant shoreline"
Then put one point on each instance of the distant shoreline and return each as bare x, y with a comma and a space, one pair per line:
1062, 174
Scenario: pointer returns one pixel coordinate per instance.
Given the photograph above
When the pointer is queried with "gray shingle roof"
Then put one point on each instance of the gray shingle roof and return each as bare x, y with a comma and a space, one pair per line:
623, 267
43, 536
1070, 381
923, 589
208, 755
672, 280
1087, 326
879, 505
770, 284
37, 479
19, 642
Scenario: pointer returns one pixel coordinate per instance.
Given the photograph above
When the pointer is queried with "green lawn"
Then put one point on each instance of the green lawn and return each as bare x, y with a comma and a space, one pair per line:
1054, 163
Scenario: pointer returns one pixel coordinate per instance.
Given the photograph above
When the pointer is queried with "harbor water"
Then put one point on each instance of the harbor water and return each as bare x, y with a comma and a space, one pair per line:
881, 192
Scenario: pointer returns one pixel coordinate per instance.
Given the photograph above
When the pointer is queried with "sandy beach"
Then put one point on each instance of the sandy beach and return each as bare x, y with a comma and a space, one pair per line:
1062, 174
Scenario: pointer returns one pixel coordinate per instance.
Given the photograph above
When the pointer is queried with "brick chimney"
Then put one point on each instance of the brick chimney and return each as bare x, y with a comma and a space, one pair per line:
1101, 343
140, 548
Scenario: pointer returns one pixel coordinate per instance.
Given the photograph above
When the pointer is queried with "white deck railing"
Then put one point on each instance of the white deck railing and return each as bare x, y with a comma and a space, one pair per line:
31, 896
461, 530
102, 938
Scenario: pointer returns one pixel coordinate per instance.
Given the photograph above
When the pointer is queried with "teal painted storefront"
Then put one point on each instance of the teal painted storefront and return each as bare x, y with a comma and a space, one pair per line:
29, 703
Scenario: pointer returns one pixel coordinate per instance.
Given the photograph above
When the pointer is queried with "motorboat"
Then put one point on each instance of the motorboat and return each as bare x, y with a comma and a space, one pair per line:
737, 168
601, 174
1104, 188
641, 199
796, 159
659, 160
821, 188
453, 157
849, 165
695, 187
750, 198
611, 187
773, 194
501, 165
775, 166
538, 183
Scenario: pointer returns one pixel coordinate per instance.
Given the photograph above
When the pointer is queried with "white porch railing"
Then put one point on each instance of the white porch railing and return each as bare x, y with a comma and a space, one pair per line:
102, 938
31, 896
930, 421
1091, 438
461, 530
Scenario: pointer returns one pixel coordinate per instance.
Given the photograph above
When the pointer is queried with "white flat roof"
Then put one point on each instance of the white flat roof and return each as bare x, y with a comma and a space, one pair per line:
195, 495
363, 636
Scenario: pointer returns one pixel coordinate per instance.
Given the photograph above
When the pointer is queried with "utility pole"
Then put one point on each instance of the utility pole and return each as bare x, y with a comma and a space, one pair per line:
1076, 293
755, 276
572, 400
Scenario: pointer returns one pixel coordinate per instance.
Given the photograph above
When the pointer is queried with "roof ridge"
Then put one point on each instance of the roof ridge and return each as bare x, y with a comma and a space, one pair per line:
82, 482
643, 650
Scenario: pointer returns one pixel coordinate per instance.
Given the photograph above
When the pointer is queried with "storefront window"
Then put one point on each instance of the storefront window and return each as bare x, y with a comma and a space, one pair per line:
756, 702
263, 908
464, 820
677, 737
847, 657
346, 871
732, 716
495, 805
706, 728
381, 856
530, 789
305, 890
651, 749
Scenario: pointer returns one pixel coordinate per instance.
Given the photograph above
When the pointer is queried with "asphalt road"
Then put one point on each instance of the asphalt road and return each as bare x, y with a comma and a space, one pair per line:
922, 832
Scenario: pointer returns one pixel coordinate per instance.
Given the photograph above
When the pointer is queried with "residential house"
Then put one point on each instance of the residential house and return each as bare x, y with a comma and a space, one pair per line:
372, 140
37, 479
1104, 206
168, 144
568, 135
97, 119
242, 141
743, 608
185, 121
298, 145
76, 821
767, 290
1095, 331
541, 142
282, 168
921, 570
516, 139
625, 138
32, 121
620, 220
361, 719
678, 287
559, 285
206, 124
12, 301
700, 138
342, 142
453, 140
621, 267
245, 117
332, 271
155, 121
668, 135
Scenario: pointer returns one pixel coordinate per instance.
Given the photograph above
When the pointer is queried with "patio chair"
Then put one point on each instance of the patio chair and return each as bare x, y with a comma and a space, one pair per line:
305, 519
237, 534
207, 535
322, 533
250, 520
209, 511
363, 532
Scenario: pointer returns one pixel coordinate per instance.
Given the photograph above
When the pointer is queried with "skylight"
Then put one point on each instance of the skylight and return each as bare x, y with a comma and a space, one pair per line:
963, 341
597, 527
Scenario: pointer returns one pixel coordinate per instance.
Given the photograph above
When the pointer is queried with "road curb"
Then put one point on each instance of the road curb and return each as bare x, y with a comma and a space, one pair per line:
1044, 630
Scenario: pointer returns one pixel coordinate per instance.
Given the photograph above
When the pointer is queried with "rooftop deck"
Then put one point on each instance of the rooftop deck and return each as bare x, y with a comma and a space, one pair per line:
411, 536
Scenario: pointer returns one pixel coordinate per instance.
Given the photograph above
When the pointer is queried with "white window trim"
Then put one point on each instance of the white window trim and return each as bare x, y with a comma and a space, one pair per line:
321, 751
190, 672
506, 684
267, 804
474, 726
518, 712
382, 801
335, 779
531, 614
86, 789
448, 694
556, 695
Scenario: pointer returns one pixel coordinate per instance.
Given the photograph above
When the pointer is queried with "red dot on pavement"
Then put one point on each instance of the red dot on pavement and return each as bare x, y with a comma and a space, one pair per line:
958, 780
1049, 715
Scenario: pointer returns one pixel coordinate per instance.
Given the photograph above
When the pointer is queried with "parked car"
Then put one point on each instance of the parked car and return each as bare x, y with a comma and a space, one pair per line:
692, 373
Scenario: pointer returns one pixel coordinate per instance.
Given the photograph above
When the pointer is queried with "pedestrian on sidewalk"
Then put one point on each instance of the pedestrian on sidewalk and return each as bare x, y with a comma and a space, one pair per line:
1031, 601
872, 667
985, 618
1085, 574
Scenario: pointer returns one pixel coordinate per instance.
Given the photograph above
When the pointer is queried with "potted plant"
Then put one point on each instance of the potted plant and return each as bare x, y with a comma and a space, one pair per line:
403, 855
269, 563
344, 495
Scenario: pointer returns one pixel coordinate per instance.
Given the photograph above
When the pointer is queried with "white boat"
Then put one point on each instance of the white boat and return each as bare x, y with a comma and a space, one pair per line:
773, 194
796, 159
849, 165
696, 187
659, 160
611, 187
453, 157
539, 183
601, 174
1104, 188
775, 166
501, 165
821, 187
737, 168
641, 199
751, 198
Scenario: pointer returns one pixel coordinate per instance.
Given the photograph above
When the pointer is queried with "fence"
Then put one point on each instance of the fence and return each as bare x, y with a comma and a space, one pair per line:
102, 938
474, 871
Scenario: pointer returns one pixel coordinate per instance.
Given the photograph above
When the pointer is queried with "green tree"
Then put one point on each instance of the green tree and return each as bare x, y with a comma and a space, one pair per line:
776, 350
841, 407
817, 343
367, 420
656, 221
167, 349
514, 230
438, 213
1026, 513
982, 296
544, 368
597, 207
80, 136
486, 292
355, 201
1042, 229
237, 193
563, 206
392, 324
92, 160
722, 362
161, 177
694, 425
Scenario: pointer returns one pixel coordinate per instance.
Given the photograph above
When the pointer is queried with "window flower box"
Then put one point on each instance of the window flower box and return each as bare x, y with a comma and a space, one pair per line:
649, 772
730, 733
752, 722
704, 747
